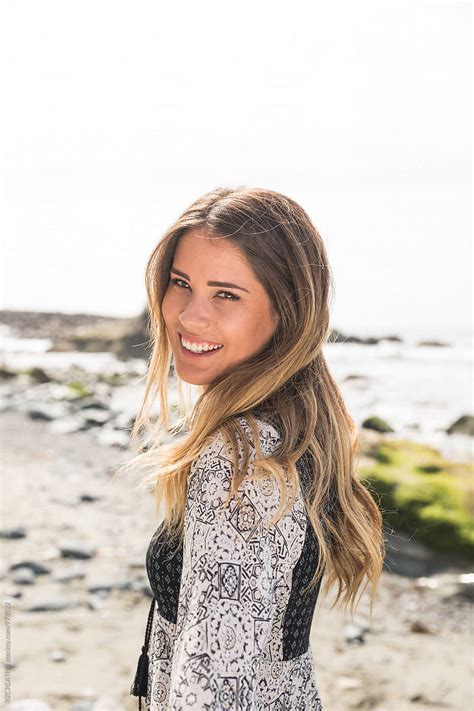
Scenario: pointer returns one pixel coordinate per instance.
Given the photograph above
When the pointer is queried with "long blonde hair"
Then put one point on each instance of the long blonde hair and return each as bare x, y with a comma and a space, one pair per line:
289, 378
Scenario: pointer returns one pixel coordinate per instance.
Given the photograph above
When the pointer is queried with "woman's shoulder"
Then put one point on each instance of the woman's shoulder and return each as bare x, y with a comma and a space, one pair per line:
209, 499
268, 434
212, 471
219, 445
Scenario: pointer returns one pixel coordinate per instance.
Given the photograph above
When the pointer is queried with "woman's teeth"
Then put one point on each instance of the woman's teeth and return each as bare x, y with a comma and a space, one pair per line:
202, 347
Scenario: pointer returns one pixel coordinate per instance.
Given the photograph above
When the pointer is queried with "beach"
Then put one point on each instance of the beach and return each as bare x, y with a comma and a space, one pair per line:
76, 595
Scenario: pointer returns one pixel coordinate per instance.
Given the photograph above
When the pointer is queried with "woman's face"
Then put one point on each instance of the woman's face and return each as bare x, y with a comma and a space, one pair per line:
236, 314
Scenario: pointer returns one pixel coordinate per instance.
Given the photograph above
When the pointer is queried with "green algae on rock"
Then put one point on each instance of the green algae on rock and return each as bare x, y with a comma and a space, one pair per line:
423, 494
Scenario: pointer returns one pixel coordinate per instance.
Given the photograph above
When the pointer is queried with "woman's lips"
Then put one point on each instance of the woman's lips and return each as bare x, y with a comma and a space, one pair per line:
203, 354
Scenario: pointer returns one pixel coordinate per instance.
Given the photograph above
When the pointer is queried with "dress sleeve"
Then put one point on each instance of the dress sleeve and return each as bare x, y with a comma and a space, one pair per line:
227, 594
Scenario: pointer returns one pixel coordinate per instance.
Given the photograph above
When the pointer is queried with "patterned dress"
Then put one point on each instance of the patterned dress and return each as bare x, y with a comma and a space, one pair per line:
229, 628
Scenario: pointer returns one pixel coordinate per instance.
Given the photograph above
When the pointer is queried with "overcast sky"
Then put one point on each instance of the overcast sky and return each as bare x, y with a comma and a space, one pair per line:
118, 114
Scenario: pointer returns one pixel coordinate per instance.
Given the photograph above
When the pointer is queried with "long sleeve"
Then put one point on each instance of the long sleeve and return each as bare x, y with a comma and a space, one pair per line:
227, 596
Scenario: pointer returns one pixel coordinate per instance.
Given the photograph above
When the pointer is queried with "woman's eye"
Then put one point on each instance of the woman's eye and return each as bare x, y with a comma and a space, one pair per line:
175, 281
233, 297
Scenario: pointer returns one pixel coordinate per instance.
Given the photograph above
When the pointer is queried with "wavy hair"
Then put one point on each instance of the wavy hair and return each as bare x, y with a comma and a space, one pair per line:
288, 379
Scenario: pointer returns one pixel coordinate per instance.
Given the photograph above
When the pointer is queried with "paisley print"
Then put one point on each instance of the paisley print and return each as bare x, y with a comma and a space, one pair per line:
230, 629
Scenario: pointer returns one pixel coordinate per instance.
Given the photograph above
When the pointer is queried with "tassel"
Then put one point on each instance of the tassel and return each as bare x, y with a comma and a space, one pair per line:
140, 683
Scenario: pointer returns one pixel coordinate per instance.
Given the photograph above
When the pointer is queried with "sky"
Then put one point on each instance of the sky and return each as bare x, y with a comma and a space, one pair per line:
117, 115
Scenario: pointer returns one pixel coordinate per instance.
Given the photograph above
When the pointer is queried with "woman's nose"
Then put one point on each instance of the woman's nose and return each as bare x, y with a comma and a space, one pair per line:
194, 316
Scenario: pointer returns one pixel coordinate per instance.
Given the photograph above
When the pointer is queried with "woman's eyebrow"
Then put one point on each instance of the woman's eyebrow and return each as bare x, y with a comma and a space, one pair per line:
211, 283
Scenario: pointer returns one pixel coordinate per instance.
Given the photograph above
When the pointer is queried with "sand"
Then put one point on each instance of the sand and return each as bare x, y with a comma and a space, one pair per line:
85, 656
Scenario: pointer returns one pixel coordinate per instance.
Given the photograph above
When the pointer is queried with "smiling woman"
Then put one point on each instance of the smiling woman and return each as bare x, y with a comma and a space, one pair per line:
198, 314
258, 476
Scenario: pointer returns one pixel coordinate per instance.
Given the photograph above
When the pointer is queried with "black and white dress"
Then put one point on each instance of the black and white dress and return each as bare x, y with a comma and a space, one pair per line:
228, 627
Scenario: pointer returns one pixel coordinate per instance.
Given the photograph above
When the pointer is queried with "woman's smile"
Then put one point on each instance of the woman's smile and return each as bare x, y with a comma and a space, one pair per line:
198, 349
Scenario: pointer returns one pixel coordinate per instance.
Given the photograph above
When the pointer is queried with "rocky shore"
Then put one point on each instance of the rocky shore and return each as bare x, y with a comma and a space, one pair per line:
126, 337
76, 595
75, 587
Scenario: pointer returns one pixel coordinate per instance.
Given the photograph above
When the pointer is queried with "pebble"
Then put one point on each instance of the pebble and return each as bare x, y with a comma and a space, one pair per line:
50, 604
36, 568
76, 549
72, 572
23, 576
13, 533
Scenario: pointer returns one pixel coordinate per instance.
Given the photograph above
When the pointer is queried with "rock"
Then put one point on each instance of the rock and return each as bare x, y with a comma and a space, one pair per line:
89, 498
51, 604
94, 403
354, 634
78, 391
463, 425
13, 533
124, 420
37, 568
124, 584
24, 576
362, 622
69, 424
336, 336
72, 572
76, 549
96, 601
433, 343
47, 411
58, 655
13, 593
38, 375
141, 585
420, 627
101, 585
377, 424
137, 562
96, 416
351, 377
113, 438
6, 374
393, 339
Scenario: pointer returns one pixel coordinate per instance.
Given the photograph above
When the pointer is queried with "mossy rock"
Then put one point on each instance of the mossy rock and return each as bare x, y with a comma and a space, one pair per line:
79, 390
6, 374
423, 494
377, 424
38, 375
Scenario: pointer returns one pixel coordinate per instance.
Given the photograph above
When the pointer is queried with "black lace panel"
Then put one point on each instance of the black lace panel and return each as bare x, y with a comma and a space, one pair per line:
300, 608
164, 573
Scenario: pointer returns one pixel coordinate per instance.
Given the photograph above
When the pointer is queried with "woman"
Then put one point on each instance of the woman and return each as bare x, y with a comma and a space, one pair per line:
257, 476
